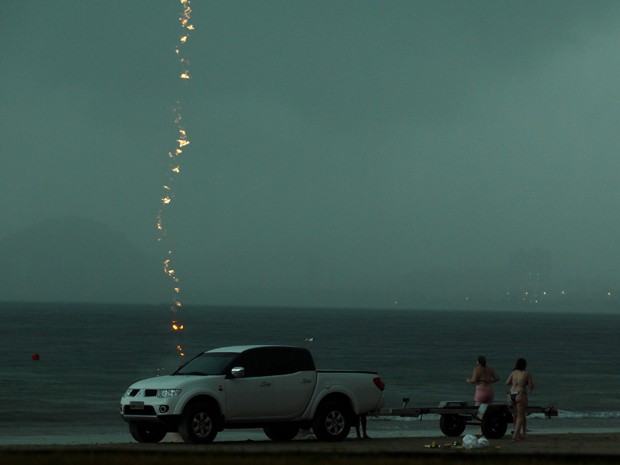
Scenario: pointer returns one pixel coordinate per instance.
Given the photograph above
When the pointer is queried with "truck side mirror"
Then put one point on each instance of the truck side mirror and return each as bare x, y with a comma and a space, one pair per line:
237, 372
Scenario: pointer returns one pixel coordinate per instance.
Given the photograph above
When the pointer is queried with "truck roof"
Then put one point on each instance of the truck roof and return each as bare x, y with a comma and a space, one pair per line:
239, 349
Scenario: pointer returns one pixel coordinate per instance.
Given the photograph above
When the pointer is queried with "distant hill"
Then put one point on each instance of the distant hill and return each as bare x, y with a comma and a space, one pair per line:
77, 260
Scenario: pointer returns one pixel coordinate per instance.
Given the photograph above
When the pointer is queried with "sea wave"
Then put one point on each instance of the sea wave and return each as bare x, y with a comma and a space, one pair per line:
577, 414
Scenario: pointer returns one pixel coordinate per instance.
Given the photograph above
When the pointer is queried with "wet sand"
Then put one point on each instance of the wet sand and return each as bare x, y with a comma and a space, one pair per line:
573, 448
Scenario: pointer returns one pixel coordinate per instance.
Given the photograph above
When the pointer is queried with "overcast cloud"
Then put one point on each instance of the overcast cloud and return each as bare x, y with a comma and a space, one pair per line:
338, 145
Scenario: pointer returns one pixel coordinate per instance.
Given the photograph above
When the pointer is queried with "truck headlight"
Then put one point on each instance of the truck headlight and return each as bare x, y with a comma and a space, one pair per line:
164, 393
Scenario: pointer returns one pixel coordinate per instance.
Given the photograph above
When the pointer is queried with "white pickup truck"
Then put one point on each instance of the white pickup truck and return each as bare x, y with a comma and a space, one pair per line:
276, 388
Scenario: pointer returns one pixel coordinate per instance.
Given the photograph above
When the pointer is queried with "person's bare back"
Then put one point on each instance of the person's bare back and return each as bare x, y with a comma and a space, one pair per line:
520, 381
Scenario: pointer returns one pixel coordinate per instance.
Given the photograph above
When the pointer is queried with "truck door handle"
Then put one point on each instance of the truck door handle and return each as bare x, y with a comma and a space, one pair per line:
265, 384
305, 381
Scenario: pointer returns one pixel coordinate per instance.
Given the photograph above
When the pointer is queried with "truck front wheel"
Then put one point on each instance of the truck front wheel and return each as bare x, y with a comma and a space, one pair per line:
198, 423
147, 432
332, 422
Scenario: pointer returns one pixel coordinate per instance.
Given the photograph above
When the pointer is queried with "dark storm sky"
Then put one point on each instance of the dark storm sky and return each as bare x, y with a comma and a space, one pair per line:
333, 143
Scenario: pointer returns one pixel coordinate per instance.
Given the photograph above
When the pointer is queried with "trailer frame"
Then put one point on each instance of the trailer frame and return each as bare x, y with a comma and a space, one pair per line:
493, 419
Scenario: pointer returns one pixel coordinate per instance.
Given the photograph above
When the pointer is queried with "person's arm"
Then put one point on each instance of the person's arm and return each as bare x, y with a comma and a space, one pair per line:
530, 382
474, 377
509, 380
494, 376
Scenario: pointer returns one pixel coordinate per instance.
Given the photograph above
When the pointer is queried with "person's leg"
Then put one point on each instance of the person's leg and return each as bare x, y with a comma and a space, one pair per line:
363, 421
520, 417
524, 426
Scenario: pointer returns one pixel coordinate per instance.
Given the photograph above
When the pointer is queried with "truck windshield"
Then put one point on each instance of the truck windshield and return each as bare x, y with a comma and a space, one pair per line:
207, 364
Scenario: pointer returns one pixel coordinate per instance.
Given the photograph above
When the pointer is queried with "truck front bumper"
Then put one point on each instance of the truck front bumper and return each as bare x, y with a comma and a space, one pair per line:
140, 412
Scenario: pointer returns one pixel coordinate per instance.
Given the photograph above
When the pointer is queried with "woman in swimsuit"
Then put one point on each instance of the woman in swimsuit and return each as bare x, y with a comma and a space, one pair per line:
483, 377
520, 382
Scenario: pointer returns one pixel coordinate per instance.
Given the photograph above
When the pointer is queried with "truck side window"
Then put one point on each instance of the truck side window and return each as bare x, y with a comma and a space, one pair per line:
306, 362
255, 362
282, 361
290, 360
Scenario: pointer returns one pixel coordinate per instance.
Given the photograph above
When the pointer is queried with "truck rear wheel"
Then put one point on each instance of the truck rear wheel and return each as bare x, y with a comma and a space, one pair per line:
147, 432
451, 424
198, 423
332, 422
281, 432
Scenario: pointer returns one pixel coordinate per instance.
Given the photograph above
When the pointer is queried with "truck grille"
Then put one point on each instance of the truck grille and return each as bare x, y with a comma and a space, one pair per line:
147, 410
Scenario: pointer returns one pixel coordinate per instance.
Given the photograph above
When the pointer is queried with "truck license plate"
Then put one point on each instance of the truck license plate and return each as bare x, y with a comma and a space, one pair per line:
136, 405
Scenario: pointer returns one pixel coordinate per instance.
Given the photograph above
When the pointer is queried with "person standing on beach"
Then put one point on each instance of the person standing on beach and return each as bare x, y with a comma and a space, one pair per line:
361, 420
483, 377
520, 382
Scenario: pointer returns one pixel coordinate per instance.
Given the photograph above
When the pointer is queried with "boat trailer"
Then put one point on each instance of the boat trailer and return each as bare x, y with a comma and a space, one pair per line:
456, 415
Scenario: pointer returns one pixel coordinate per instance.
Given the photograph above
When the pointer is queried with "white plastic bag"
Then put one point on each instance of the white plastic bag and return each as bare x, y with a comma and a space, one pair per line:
470, 441
483, 442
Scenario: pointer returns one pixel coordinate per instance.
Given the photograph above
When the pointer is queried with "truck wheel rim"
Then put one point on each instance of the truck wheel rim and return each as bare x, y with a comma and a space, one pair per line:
334, 422
202, 425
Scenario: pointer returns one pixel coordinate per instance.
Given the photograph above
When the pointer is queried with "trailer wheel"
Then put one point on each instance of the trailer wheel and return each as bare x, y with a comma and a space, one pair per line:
494, 425
452, 424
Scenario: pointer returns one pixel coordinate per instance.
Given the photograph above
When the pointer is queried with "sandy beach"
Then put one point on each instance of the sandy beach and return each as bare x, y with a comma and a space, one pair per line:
574, 448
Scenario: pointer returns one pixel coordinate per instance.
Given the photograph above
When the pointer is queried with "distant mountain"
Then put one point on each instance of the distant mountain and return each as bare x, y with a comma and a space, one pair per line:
77, 260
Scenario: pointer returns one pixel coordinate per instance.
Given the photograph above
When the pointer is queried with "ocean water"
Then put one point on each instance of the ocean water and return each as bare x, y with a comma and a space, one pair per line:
90, 354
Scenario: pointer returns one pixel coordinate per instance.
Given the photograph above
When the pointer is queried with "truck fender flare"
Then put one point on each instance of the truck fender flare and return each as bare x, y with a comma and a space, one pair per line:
338, 391
191, 395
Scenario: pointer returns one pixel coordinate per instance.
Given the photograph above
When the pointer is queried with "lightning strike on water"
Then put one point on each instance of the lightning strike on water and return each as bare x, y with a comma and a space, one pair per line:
182, 141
